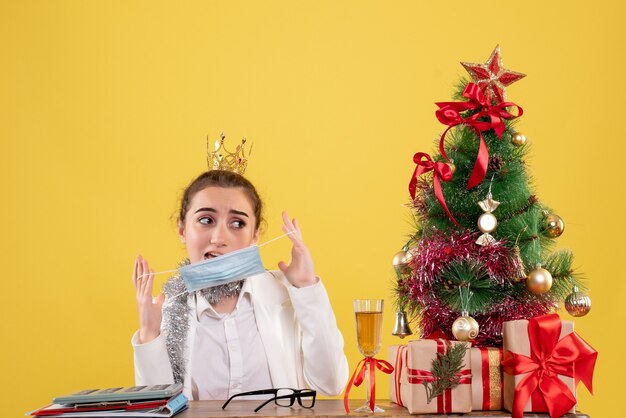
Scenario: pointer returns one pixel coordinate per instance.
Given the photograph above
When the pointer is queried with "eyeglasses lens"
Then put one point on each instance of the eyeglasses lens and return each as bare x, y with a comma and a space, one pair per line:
307, 400
287, 400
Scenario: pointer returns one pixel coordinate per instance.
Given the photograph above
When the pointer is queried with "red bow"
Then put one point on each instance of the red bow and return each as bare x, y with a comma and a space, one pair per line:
571, 356
449, 114
440, 171
374, 364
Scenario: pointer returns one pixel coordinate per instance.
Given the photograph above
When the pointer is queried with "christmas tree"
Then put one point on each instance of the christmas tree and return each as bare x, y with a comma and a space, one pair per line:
483, 249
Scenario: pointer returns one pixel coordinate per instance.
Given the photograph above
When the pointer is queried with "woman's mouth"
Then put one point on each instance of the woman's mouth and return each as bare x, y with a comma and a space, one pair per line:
211, 254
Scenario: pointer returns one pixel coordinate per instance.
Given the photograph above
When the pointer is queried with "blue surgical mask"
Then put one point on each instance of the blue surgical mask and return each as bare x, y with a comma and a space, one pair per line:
224, 269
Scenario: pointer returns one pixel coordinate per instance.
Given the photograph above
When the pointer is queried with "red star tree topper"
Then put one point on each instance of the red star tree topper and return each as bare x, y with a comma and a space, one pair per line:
492, 77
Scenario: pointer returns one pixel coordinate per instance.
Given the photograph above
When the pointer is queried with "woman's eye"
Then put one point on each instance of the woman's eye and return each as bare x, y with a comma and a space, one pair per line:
238, 224
205, 220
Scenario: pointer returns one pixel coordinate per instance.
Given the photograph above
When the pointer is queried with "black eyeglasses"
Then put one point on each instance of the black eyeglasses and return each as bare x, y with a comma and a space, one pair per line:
282, 397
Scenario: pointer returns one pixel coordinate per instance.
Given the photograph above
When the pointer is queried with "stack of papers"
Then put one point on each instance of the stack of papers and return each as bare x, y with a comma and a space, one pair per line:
135, 401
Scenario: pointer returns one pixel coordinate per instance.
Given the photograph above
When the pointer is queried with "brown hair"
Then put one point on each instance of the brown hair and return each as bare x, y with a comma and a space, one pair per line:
226, 179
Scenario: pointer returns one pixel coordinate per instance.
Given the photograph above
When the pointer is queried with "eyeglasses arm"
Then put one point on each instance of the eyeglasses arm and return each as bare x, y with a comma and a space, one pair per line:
263, 404
254, 392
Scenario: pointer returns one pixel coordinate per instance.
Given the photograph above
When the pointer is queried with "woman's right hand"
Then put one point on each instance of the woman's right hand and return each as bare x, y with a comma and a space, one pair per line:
149, 308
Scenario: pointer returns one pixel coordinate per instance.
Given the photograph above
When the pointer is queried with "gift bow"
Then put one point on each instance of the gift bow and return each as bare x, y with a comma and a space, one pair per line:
449, 114
570, 356
374, 364
441, 171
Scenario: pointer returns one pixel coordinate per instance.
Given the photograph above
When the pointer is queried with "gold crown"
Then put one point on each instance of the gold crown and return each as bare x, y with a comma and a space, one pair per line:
221, 159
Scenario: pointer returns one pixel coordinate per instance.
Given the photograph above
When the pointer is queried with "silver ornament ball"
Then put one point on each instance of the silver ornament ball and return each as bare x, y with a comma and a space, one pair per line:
577, 303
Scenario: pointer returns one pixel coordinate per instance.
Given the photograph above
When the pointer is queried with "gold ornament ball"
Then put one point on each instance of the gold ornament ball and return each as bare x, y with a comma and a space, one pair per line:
518, 139
487, 222
539, 281
401, 262
553, 226
452, 167
465, 328
578, 303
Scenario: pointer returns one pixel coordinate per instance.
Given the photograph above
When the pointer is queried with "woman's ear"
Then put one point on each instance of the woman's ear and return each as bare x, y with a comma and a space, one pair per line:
181, 231
255, 237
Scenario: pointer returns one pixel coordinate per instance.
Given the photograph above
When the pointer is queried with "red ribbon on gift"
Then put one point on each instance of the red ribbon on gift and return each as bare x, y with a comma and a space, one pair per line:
570, 356
374, 364
487, 383
449, 113
444, 401
441, 171
399, 365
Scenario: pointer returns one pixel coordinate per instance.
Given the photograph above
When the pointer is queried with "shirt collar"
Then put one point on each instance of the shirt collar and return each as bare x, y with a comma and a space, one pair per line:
203, 305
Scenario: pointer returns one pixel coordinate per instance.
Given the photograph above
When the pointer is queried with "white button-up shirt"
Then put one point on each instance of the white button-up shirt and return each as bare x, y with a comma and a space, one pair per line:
228, 356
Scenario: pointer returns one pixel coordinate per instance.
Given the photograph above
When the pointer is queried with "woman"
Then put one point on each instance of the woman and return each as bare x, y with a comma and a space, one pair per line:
275, 329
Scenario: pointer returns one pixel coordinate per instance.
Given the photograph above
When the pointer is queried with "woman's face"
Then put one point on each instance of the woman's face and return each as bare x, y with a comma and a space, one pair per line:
219, 220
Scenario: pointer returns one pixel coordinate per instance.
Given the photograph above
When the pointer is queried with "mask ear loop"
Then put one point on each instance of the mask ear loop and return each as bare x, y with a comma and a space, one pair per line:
175, 270
277, 238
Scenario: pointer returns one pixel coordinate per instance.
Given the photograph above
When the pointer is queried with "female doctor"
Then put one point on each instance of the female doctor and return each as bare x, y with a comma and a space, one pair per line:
271, 330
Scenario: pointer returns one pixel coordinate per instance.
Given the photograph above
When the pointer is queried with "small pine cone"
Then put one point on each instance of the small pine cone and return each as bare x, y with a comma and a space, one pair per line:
495, 163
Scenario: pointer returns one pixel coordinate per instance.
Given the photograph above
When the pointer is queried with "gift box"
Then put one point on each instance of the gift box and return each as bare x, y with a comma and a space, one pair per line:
487, 388
397, 358
543, 361
418, 370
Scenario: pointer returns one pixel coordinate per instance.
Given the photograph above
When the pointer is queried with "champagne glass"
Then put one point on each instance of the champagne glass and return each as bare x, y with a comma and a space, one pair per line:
369, 323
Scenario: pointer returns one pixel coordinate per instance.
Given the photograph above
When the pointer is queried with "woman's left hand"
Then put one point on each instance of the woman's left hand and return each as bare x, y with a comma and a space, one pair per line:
300, 272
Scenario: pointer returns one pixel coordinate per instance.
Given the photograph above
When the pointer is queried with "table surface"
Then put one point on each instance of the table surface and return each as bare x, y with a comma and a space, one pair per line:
326, 408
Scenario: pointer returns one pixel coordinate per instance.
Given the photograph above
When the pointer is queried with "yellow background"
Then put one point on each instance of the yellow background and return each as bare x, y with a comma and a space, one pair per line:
104, 111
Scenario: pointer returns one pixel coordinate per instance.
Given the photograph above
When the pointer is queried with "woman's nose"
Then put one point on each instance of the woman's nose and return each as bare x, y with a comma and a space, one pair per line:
218, 235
